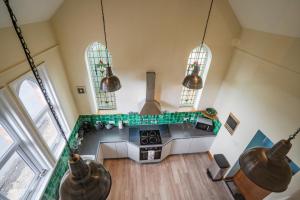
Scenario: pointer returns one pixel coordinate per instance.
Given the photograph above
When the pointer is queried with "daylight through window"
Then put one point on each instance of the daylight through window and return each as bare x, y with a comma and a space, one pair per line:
188, 96
97, 62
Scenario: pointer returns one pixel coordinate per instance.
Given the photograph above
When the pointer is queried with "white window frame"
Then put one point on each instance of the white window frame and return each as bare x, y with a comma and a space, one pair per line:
22, 146
57, 148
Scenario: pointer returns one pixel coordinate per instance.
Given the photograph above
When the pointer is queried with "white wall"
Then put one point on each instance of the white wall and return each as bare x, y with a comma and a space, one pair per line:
145, 35
262, 89
42, 43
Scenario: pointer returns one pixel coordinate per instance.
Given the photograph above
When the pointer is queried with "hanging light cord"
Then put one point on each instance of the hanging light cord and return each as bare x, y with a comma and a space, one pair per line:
207, 20
294, 135
104, 31
36, 73
196, 68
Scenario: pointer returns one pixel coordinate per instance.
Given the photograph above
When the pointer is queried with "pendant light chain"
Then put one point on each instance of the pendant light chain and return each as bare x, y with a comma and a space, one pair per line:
36, 73
104, 30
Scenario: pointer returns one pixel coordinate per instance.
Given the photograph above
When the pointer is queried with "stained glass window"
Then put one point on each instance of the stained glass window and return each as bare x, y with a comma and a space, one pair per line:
97, 61
200, 57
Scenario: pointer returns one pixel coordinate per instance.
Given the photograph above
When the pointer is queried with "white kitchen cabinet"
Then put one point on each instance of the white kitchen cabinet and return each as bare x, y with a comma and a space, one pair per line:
109, 150
166, 150
100, 154
114, 150
180, 146
133, 152
121, 148
202, 144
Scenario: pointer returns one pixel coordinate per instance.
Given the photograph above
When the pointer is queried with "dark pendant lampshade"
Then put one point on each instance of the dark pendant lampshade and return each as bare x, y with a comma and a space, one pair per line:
85, 180
110, 83
193, 81
268, 167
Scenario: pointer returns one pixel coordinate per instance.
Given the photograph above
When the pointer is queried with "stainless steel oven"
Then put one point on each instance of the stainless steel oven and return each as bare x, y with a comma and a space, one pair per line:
150, 153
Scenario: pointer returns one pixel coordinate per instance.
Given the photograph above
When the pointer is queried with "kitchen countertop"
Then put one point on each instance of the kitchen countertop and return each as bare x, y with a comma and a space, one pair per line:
130, 134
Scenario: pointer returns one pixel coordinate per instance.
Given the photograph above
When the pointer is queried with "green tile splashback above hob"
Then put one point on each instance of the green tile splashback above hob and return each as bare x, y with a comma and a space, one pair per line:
52, 190
137, 119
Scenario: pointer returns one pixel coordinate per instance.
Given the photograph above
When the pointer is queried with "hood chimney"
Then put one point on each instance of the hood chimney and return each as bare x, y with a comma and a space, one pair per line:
151, 106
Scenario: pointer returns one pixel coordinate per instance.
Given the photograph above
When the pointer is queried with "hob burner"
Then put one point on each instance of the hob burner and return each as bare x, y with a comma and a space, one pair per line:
150, 137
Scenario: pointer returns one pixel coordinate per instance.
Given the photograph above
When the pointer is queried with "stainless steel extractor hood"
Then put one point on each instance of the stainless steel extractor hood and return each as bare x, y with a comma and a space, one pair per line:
151, 106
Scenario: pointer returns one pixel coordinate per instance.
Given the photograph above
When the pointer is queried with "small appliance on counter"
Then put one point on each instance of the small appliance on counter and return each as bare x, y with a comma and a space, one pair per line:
109, 126
86, 126
204, 124
99, 125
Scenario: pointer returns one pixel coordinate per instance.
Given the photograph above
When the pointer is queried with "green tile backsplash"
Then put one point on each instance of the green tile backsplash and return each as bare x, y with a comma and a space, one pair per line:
137, 119
52, 190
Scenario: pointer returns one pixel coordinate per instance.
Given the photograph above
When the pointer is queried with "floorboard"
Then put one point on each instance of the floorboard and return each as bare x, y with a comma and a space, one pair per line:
179, 177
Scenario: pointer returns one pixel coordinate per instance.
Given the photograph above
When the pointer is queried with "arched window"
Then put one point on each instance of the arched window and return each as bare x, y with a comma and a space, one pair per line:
202, 58
97, 61
31, 98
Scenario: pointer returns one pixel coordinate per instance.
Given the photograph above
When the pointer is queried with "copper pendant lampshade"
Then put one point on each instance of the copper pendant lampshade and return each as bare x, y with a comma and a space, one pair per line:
194, 81
110, 83
85, 180
268, 167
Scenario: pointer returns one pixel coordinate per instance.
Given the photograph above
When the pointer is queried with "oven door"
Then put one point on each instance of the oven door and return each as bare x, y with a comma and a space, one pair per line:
150, 153
157, 155
143, 154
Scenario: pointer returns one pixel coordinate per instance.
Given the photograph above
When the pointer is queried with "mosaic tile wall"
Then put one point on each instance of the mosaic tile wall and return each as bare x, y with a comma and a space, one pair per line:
52, 190
136, 119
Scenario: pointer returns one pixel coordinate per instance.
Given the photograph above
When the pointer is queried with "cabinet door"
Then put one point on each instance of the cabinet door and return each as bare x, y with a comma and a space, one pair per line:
100, 155
133, 152
180, 146
166, 150
122, 149
109, 150
202, 144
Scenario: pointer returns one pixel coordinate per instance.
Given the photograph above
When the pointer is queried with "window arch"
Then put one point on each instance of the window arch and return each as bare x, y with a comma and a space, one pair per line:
96, 62
202, 57
35, 107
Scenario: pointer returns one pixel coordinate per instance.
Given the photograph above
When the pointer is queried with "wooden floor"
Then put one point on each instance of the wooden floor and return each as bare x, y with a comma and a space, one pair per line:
177, 177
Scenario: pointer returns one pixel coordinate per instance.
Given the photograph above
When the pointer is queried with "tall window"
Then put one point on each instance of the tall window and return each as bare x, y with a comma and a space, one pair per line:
30, 96
20, 171
97, 62
201, 57
35, 104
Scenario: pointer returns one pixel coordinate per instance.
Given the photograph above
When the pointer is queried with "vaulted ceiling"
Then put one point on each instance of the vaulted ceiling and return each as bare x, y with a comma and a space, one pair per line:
273, 16
29, 11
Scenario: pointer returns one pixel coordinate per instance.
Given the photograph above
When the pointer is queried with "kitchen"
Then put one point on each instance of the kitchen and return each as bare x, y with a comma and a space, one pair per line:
147, 143
159, 100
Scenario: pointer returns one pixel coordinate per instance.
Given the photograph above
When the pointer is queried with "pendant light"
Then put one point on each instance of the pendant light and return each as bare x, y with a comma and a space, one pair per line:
268, 167
110, 83
194, 81
86, 180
